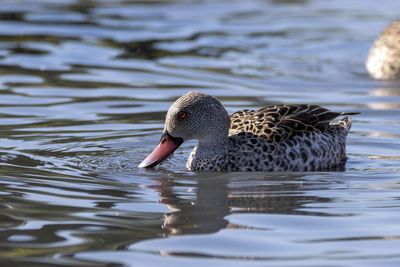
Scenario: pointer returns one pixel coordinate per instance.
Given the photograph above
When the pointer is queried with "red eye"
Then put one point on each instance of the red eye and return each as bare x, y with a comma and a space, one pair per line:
182, 114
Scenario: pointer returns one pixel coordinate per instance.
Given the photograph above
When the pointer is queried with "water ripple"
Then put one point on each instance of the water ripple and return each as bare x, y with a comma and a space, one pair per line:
84, 88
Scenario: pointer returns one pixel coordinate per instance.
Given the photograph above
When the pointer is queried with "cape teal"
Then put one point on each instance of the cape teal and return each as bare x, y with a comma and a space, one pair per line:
296, 137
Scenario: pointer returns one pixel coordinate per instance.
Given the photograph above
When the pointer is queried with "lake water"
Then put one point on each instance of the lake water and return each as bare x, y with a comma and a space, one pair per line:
84, 88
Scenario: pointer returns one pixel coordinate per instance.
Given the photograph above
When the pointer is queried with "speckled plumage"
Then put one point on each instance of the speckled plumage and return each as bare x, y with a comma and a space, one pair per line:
276, 138
281, 138
383, 60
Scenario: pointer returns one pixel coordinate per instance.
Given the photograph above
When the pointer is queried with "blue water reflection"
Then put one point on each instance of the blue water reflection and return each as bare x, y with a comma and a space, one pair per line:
84, 88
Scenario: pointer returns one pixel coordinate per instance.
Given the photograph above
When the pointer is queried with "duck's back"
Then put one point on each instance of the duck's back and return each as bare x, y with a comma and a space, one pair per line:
287, 138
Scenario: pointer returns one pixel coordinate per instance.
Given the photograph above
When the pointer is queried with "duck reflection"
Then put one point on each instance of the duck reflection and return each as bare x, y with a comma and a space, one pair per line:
386, 92
201, 205
388, 88
391, 91
205, 213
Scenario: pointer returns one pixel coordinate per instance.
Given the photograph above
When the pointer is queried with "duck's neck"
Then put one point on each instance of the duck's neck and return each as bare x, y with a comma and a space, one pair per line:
212, 146
206, 151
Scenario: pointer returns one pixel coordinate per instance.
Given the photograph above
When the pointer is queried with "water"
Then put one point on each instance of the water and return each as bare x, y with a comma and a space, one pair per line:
84, 87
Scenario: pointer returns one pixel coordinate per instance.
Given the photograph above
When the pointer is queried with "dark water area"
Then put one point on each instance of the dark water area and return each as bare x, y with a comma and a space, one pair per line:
84, 88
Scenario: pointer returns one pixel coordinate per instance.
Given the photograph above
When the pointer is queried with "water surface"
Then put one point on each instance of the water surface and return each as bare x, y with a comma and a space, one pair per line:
84, 87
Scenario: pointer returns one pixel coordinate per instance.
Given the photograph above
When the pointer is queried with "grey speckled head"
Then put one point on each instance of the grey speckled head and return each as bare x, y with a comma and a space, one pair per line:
197, 116
192, 116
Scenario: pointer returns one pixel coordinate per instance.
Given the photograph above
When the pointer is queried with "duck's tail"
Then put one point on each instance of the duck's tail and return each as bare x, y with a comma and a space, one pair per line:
345, 123
349, 113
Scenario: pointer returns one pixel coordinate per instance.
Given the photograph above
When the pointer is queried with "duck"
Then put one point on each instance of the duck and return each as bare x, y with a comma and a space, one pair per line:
383, 61
284, 137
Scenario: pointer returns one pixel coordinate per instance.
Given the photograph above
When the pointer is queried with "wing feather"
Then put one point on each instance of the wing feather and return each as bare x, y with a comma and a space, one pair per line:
279, 122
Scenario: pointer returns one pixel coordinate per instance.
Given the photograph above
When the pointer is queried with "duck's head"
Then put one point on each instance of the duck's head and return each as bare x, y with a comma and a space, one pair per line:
194, 115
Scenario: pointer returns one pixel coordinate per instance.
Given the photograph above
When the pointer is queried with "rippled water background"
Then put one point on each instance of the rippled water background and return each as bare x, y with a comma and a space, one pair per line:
84, 87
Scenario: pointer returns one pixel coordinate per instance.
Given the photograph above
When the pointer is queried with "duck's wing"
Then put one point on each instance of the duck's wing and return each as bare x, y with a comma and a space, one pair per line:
279, 122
